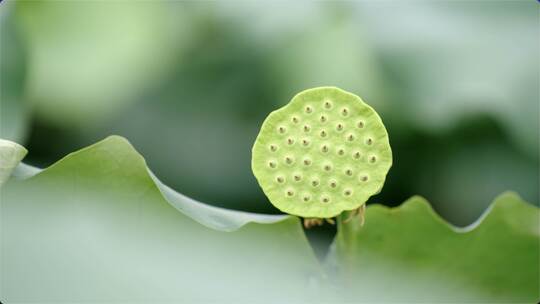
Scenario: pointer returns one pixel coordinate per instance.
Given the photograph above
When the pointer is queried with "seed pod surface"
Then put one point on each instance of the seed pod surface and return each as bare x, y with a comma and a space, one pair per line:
342, 147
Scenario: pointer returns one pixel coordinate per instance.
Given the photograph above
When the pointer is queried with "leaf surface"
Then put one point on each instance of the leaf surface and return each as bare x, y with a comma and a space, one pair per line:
409, 254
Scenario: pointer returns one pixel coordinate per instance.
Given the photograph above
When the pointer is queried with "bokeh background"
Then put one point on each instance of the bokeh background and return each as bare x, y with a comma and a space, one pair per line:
189, 84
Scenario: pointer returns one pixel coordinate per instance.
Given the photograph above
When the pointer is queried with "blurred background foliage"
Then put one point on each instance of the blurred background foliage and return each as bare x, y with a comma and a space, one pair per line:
189, 84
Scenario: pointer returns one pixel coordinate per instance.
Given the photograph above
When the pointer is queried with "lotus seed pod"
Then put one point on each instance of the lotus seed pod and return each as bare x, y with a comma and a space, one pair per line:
323, 153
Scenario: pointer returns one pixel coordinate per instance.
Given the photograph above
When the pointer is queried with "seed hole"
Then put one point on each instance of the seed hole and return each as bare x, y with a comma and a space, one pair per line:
315, 183
305, 142
295, 119
290, 141
307, 162
289, 160
350, 137
272, 164
297, 177
364, 178
341, 152
347, 192
327, 167
333, 184
306, 197
373, 159
273, 148
369, 141
280, 179
344, 111
327, 105
308, 109
360, 124
323, 118
325, 199
339, 127
324, 148
357, 155
307, 128
323, 133
348, 172
282, 130
290, 192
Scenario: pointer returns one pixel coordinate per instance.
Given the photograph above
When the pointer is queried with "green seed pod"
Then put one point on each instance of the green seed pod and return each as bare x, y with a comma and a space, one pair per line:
323, 153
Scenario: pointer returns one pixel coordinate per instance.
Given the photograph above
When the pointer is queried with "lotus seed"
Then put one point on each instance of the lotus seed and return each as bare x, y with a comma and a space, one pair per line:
326, 130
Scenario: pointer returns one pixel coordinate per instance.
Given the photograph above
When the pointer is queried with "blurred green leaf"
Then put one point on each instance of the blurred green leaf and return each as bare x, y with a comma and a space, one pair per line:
448, 59
13, 108
91, 58
409, 254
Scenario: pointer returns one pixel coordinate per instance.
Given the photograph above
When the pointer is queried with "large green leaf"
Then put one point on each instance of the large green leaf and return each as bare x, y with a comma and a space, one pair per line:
99, 226
96, 226
409, 254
